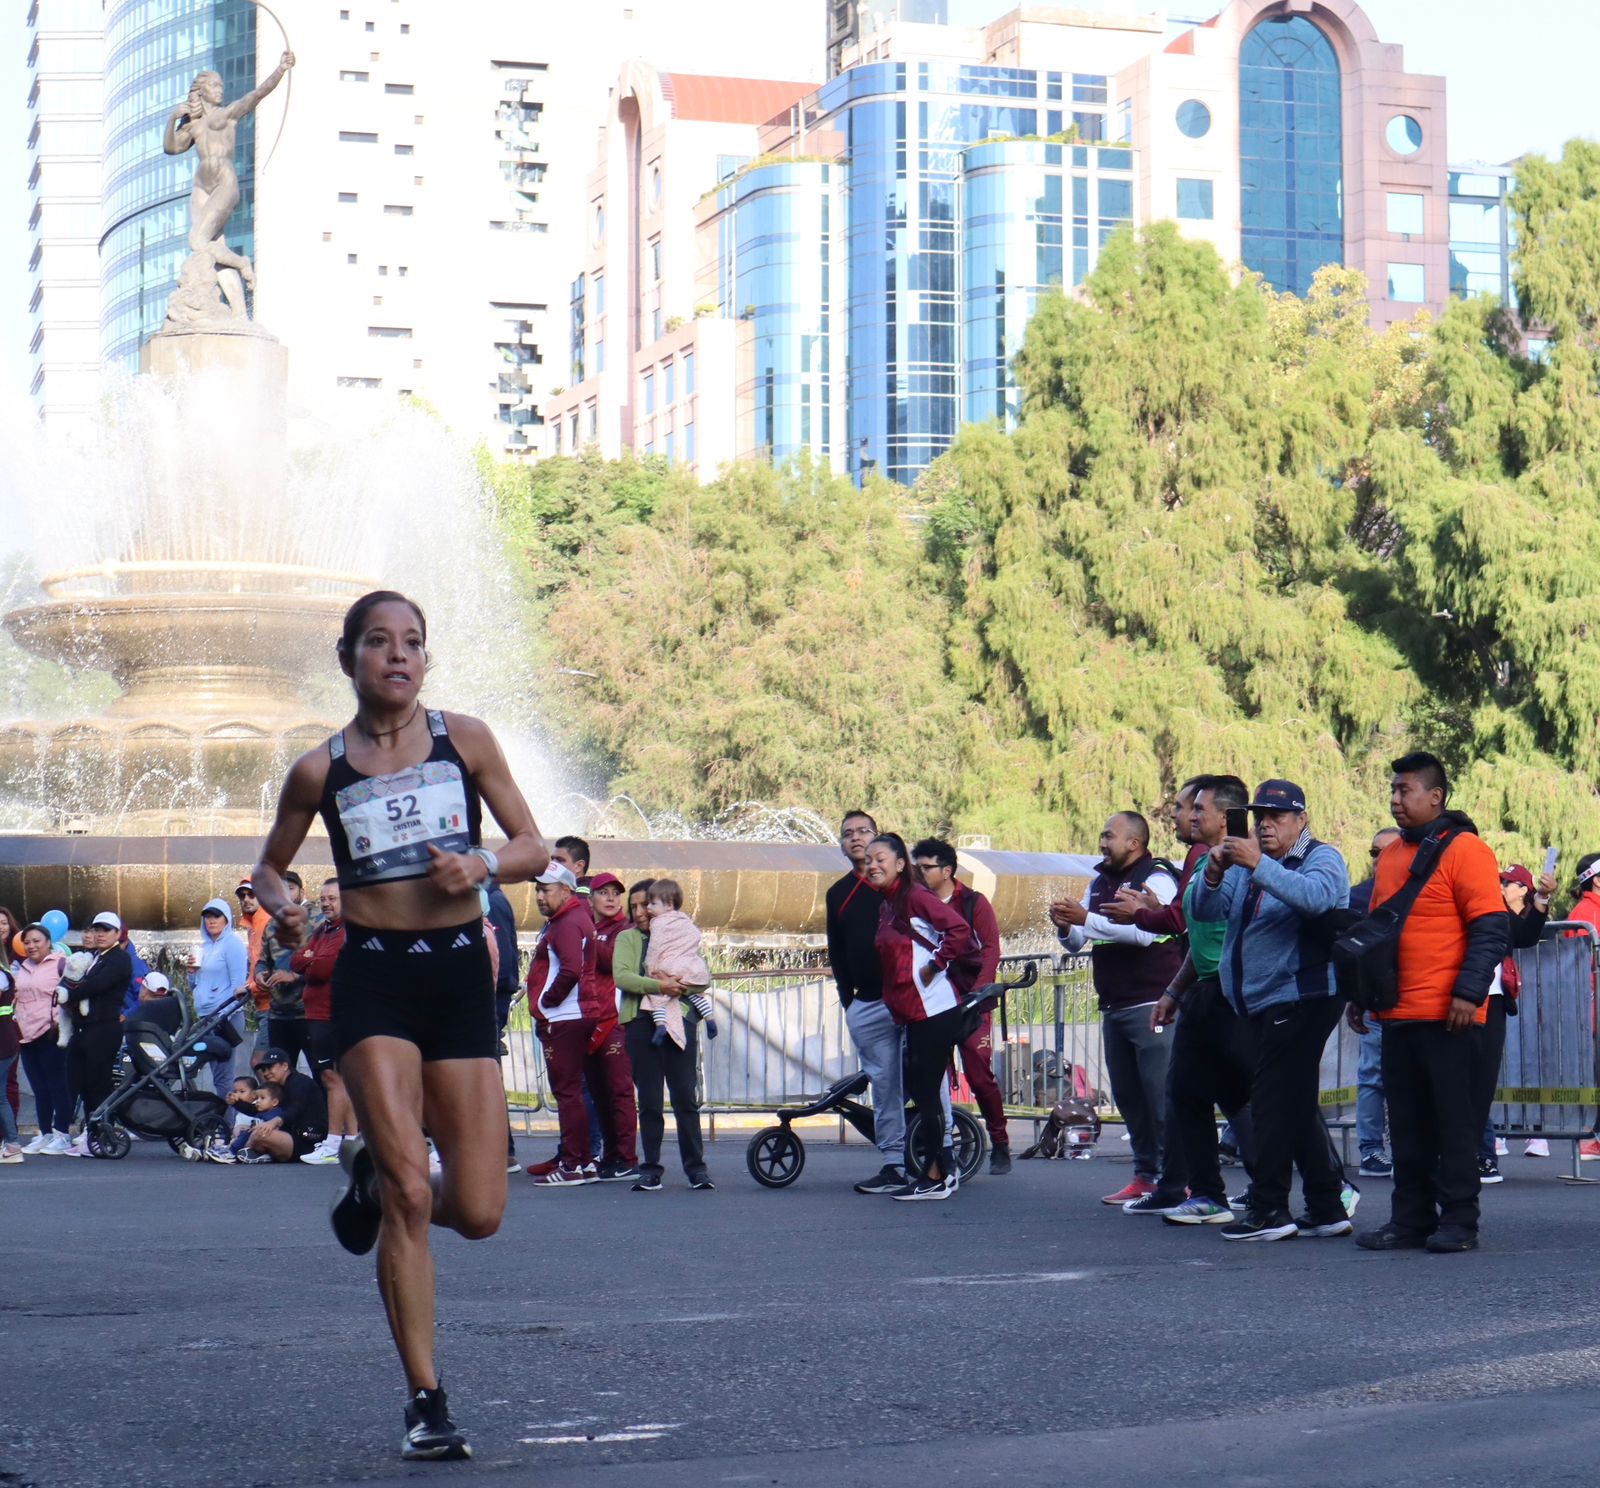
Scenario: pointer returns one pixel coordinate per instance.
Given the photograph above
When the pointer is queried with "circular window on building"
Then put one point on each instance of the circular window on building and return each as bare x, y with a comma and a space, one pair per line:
1404, 135
655, 186
1194, 118
599, 223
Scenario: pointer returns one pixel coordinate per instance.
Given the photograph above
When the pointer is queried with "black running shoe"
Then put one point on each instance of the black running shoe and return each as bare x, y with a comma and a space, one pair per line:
999, 1161
431, 1436
648, 1183
702, 1185
357, 1211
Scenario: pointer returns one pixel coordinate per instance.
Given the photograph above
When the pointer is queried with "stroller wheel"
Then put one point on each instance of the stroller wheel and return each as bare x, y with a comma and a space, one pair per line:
107, 1139
968, 1145
775, 1157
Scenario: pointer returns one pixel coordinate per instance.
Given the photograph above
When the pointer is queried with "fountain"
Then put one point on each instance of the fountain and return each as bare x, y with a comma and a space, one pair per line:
216, 542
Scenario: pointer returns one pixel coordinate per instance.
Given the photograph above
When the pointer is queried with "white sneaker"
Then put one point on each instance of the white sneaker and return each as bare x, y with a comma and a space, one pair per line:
59, 1145
10, 1152
37, 1145
77, 1148
1500, 1148
325, 1152
1533, 1147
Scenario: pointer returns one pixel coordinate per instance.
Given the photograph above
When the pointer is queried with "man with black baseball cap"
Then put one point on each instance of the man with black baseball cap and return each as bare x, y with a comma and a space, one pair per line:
1268, 889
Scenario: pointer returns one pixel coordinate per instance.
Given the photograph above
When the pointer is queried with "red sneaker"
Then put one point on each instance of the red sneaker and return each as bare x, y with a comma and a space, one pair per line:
1589, 1151
541, 1170
1138, 1189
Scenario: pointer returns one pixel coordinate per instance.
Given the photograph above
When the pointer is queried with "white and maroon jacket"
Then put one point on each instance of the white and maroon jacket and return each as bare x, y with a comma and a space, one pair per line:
562, 986
917, 929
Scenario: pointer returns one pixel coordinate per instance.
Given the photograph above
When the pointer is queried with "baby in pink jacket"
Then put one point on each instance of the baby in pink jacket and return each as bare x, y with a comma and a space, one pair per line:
674, 950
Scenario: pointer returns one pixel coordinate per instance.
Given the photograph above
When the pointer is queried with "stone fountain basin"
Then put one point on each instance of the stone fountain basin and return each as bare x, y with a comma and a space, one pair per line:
192, 656
763, 893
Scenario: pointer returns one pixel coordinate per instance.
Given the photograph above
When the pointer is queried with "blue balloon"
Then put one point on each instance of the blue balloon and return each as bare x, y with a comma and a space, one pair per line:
56, 923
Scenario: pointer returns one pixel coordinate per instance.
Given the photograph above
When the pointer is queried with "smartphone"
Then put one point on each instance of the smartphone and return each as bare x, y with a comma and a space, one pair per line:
1238, 821
1549, 860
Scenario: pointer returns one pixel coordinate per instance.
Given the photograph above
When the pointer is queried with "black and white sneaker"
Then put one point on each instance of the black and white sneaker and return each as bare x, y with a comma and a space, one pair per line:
887, 1180
431, 1436
925, 1188
611, 1173
1489, 1171
1330, 1229
357, 1209
648, 1183
702, 1185
1257, 1226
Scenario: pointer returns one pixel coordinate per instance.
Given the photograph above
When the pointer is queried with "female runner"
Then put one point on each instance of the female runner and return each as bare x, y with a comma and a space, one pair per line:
399, 789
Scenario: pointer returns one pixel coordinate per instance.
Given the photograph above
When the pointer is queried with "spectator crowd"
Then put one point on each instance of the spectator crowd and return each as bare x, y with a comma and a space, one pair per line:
1220, 981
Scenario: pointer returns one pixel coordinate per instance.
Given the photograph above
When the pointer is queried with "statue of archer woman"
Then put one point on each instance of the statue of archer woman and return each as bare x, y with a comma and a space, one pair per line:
211, 128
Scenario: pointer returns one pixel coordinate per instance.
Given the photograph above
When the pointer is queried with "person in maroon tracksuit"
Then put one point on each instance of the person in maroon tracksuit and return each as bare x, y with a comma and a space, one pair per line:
608, 1069
929, 957
568, 1006
936, 862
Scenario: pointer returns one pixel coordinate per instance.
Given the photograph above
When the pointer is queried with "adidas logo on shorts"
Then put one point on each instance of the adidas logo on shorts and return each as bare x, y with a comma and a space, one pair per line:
461, 942
373, 945
421, 947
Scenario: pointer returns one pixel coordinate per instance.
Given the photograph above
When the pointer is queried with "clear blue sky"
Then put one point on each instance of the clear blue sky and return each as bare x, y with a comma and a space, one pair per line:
1520, 80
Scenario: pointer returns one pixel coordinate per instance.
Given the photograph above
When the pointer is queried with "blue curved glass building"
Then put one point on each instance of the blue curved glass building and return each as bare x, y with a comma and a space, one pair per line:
153, 49
780, 267
1034, 215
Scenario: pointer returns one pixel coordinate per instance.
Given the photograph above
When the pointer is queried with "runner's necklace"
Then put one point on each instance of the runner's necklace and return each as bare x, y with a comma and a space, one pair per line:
385, 733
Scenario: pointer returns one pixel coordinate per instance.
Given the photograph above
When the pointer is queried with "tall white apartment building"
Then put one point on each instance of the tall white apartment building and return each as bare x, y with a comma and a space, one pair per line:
65, 99
420, 222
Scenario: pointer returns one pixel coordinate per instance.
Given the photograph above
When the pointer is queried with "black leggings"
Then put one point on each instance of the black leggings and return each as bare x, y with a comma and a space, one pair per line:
929, 1045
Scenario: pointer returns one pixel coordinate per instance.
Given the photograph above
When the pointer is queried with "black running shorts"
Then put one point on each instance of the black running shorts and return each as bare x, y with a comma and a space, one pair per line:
433, 988
321, 1052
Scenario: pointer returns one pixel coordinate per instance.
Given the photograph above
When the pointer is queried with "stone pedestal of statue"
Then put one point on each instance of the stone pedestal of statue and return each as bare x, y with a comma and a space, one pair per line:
252, 367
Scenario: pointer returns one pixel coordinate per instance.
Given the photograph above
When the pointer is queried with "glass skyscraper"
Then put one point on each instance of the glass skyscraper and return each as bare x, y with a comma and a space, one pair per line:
906, 128
1034, 215
154, 48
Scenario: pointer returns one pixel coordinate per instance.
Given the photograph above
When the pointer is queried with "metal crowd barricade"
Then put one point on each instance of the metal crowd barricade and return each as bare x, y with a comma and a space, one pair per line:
1549, 1075
1338, 1085
1047, 1043
783, 1039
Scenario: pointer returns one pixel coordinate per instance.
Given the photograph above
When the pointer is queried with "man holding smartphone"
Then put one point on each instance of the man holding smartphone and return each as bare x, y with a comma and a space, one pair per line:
1268, 888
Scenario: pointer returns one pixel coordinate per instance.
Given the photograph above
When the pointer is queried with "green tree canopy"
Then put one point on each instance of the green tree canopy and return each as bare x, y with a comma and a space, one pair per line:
1158, 573
774, 637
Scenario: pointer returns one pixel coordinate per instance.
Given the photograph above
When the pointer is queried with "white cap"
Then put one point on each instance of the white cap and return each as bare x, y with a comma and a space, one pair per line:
155, 982
558, 873
105, 920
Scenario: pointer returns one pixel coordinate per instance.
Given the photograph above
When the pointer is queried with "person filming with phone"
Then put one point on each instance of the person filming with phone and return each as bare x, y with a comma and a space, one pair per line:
1268, 887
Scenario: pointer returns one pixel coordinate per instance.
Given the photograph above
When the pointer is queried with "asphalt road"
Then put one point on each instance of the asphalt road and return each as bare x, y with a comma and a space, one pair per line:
164, 1324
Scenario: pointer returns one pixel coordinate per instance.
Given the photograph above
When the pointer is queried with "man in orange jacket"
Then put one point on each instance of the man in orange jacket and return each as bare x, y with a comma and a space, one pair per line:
1454, 938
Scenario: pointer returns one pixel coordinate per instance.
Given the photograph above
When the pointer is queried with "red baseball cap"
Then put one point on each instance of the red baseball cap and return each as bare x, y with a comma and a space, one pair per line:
1517, 874
605, 881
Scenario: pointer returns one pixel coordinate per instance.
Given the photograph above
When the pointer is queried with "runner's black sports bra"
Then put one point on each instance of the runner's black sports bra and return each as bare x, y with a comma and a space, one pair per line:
381, 826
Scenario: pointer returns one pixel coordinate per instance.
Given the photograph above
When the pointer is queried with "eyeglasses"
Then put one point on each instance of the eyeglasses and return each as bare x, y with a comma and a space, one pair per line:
930, 867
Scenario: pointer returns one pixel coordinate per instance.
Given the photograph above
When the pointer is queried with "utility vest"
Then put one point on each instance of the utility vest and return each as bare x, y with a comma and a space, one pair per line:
1132, 975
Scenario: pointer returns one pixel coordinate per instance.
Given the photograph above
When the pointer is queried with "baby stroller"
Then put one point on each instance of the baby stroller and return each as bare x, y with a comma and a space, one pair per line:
776, 1155
159, 1094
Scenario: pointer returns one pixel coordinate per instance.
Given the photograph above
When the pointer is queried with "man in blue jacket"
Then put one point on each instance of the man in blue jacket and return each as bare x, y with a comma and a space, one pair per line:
1269, 888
